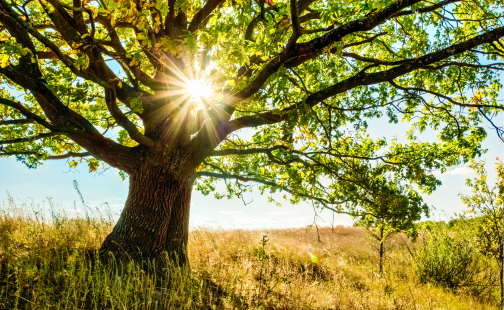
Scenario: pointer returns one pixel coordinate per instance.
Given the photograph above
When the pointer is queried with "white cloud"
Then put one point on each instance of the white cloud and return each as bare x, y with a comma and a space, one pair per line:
456, 171
118, 205
231, 212
282, 213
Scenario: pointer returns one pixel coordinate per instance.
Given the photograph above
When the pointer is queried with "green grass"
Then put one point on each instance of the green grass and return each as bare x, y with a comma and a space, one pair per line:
48, 261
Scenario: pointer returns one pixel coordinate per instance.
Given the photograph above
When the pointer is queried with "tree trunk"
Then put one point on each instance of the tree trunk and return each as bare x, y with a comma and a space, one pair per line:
155, 218
382, 249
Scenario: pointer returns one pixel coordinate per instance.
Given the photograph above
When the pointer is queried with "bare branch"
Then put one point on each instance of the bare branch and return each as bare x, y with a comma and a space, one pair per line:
46, 55
374, 61
249, 33
308, 17
234, 176
368, 40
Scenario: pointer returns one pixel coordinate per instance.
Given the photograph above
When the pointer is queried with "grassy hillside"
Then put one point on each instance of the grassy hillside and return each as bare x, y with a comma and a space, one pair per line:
48, 262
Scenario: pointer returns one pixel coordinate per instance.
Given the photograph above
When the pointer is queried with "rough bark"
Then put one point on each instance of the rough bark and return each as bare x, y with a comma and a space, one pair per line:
155, 219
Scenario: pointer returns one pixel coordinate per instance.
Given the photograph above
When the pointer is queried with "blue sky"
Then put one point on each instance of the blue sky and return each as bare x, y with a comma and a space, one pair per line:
55, 180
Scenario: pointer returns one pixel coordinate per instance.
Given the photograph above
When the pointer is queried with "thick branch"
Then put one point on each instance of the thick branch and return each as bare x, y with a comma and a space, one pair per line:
200, 17
123, 121
295, 21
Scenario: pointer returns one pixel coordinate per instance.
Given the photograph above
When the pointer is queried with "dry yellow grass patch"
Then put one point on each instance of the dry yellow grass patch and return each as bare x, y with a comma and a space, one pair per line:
344, 277
44, 264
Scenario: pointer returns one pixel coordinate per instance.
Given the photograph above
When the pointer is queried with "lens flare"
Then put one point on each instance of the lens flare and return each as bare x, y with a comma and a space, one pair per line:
313, 258
198, 90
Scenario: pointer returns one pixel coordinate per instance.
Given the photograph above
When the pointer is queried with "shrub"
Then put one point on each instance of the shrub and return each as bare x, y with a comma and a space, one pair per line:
451, 260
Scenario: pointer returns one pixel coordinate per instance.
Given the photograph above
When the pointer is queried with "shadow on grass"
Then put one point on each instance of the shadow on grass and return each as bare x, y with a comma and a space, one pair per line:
73, 279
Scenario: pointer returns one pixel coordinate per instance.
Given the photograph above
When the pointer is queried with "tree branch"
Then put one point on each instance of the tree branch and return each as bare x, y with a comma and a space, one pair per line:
123, 121
9, 16
246, 151
301, 52
498, 130
32, 138
296, 29
16, 122
322, 201
32, 116
364, 78
199, 18
69, 154
51, 157
234, 176
444, 97
427, 8
308, 50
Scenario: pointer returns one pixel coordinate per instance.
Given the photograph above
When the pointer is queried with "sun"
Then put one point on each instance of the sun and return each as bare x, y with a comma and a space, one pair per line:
198, 90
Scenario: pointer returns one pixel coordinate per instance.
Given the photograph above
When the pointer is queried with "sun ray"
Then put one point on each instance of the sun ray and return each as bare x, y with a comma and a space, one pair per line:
198, 90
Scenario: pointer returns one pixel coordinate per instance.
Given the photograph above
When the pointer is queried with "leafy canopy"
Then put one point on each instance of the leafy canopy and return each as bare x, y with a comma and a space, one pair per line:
297, 85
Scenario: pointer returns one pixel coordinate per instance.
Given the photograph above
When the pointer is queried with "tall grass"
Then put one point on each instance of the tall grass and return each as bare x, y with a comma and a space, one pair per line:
48, 261
445, 258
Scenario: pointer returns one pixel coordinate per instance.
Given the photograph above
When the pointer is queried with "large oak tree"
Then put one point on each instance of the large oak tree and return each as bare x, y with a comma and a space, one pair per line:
180, 93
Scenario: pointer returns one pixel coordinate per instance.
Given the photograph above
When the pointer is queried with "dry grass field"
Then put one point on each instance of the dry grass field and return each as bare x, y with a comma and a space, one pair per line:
47, 262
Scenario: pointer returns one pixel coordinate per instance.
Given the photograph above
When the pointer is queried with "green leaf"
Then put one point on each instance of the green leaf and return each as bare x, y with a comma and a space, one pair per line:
136, 105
